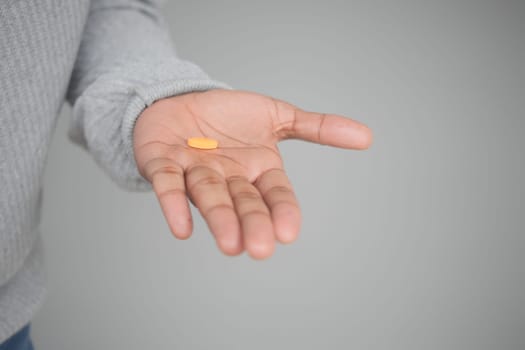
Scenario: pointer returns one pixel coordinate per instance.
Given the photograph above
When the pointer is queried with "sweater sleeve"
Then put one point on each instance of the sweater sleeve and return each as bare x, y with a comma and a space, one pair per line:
125, 63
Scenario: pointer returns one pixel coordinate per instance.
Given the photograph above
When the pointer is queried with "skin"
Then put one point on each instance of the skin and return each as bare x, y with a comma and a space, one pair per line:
240, 188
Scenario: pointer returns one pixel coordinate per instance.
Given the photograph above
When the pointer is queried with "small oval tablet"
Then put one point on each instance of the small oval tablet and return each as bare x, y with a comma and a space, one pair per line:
202, 143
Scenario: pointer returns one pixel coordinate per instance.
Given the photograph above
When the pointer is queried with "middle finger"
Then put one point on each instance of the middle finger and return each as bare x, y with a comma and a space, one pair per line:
254, 216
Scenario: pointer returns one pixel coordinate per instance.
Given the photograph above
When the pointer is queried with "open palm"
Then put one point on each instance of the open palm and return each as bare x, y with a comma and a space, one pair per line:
240, 188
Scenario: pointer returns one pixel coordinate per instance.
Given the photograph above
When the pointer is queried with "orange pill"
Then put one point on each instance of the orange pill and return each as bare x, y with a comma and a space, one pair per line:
202, 143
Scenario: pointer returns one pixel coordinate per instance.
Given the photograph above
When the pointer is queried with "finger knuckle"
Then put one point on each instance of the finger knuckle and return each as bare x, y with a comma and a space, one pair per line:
175, 191
167, 169
159, 164
206, 182
247, 195
278, 190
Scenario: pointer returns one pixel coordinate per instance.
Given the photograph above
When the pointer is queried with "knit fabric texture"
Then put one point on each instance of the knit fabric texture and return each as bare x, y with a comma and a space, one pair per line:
109, 59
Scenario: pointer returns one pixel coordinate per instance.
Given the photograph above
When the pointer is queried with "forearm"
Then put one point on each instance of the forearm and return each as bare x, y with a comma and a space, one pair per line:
126, 62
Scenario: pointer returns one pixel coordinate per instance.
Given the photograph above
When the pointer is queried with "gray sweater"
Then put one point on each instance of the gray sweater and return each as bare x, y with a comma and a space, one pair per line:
109, 59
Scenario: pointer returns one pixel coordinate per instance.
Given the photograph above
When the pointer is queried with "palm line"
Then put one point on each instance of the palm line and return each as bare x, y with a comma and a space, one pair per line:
196, 118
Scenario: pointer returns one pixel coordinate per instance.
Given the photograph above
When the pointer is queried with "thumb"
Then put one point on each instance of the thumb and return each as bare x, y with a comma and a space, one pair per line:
328, 129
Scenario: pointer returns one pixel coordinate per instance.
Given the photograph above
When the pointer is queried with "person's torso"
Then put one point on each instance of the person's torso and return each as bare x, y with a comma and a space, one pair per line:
39, 40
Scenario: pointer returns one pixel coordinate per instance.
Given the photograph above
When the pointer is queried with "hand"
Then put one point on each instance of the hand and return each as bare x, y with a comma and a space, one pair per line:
240, 188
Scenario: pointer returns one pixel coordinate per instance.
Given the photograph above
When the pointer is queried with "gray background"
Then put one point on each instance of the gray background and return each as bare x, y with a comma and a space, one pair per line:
417, 243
